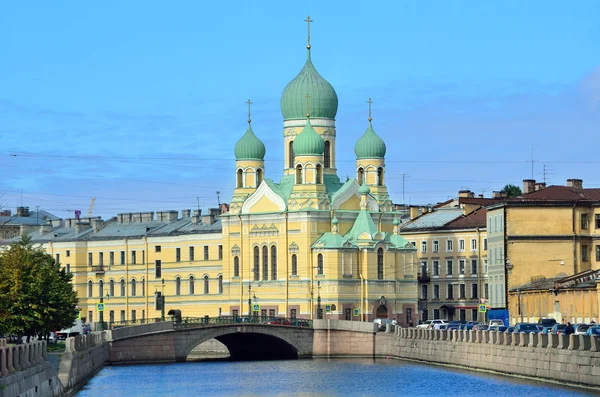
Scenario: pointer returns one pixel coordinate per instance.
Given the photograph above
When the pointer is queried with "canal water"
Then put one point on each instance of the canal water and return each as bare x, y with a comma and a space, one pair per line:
319, 377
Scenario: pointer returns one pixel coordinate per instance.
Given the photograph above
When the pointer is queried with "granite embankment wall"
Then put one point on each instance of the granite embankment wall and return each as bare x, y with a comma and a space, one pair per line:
572, 359
26, 372
84, 356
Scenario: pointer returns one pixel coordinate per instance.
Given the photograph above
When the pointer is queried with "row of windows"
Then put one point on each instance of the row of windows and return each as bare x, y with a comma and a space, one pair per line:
495, 223
265, 263
462, 291
133, 285
326, 155
111, 316
134, 255
462, 315
436, 269
585, 221
450, 245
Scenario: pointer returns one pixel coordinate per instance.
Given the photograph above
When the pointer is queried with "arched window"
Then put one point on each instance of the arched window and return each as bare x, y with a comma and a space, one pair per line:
359, 175
265, 252
380, 264
319, 174
100, 288
133, 287
291, 154
380, 176
90, 288
298, 174
206, 286
220, 284
327, 154
294, 265
259, 176
236, 266
122, 287
177, 286
240, 178
143, 287
256, 263
111, 287
191, 286
273, 263
320, 264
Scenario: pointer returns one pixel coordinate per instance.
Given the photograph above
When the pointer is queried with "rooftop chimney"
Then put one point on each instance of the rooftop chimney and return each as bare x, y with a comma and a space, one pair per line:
124, 217
186, 213
480, 196
147, 217
208, 219
414, 213
528, 186
45, 229
22, 211
540, 185
498, 195
26, 229
166, 216
97, 225
58, 223
466, 193
575, 183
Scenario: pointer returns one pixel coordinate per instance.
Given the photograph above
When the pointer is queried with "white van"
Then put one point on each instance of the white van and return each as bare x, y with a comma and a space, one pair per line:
75, 330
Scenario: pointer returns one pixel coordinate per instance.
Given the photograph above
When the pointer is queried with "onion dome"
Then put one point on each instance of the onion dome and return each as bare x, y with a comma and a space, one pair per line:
364, 189
308, 142
370, 145
396, 222
323, 99
335, 221
249, 147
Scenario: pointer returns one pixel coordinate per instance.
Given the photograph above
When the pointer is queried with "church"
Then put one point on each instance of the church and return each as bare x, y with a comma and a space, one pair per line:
307, 246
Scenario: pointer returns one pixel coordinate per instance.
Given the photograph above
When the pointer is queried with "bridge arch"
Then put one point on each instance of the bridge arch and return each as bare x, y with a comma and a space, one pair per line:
249, 342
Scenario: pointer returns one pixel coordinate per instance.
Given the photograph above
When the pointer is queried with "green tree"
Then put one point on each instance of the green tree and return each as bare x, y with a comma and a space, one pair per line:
511, 190
36, 296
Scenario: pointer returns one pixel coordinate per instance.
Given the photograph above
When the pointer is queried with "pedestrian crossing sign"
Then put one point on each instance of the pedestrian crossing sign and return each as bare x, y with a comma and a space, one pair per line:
100, 307
482, 308
256, 307
327, 308
356, 312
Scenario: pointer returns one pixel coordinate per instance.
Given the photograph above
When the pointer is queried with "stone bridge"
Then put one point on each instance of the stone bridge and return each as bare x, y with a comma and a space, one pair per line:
166, 342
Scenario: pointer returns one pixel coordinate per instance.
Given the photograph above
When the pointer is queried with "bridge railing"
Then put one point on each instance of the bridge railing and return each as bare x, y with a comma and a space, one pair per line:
187, 322
127, 323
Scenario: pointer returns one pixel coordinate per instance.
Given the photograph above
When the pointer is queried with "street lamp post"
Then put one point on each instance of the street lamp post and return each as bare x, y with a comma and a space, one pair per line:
319, 313
162, 306
249, 300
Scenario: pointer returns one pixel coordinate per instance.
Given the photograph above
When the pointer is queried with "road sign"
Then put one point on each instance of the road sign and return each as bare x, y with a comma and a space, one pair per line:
327, 308
256, 307
356, 312
100, 307
78, 314
482, 308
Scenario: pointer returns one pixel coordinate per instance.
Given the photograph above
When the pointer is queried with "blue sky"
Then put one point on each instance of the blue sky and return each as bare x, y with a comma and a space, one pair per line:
140, 103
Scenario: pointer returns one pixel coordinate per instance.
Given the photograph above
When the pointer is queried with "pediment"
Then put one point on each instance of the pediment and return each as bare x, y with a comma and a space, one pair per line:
349, 199
264, 199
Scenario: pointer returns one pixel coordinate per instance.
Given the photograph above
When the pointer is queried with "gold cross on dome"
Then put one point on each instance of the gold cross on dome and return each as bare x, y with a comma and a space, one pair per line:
249, 102
308, 21
370, 102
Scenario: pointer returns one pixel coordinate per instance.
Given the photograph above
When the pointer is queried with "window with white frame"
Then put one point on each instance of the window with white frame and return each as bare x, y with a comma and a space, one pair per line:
423, 246
461, 266
436, 246
449, 245
473, 244
436, 268
461, 245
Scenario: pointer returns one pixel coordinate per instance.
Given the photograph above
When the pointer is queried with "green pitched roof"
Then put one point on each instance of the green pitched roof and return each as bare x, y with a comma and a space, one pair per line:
308, 142
363, 224
323, 99
249, 147
332, 240
370, 145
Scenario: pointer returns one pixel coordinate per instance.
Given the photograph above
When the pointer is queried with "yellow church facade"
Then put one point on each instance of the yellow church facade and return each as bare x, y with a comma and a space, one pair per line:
308, 246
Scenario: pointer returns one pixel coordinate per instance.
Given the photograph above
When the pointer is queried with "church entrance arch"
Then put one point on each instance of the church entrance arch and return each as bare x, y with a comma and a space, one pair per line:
381, 312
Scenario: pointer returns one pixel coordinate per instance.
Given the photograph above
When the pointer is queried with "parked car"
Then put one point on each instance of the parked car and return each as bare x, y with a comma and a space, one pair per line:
480, 327
424, 324
279, 321
546, 321
593, 330
509, 329
558, 329
496, 322
546, 331
528, 328
581, 329
457, 322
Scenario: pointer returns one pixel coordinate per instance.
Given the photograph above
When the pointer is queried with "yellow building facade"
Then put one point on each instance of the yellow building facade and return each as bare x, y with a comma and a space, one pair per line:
307, 246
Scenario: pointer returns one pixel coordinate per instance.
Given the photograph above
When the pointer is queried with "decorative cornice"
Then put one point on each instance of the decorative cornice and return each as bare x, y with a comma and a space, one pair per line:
263, 191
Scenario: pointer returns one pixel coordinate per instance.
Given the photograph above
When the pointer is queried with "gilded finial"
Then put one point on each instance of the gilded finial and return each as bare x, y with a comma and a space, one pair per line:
249, 102
370, 102
307, 106
308, 21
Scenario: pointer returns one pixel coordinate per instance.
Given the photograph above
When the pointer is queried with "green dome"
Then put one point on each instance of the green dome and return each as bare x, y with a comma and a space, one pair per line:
335, 220
308, 142
364, 189
370, 145
323, 101
396, 222
249, 147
